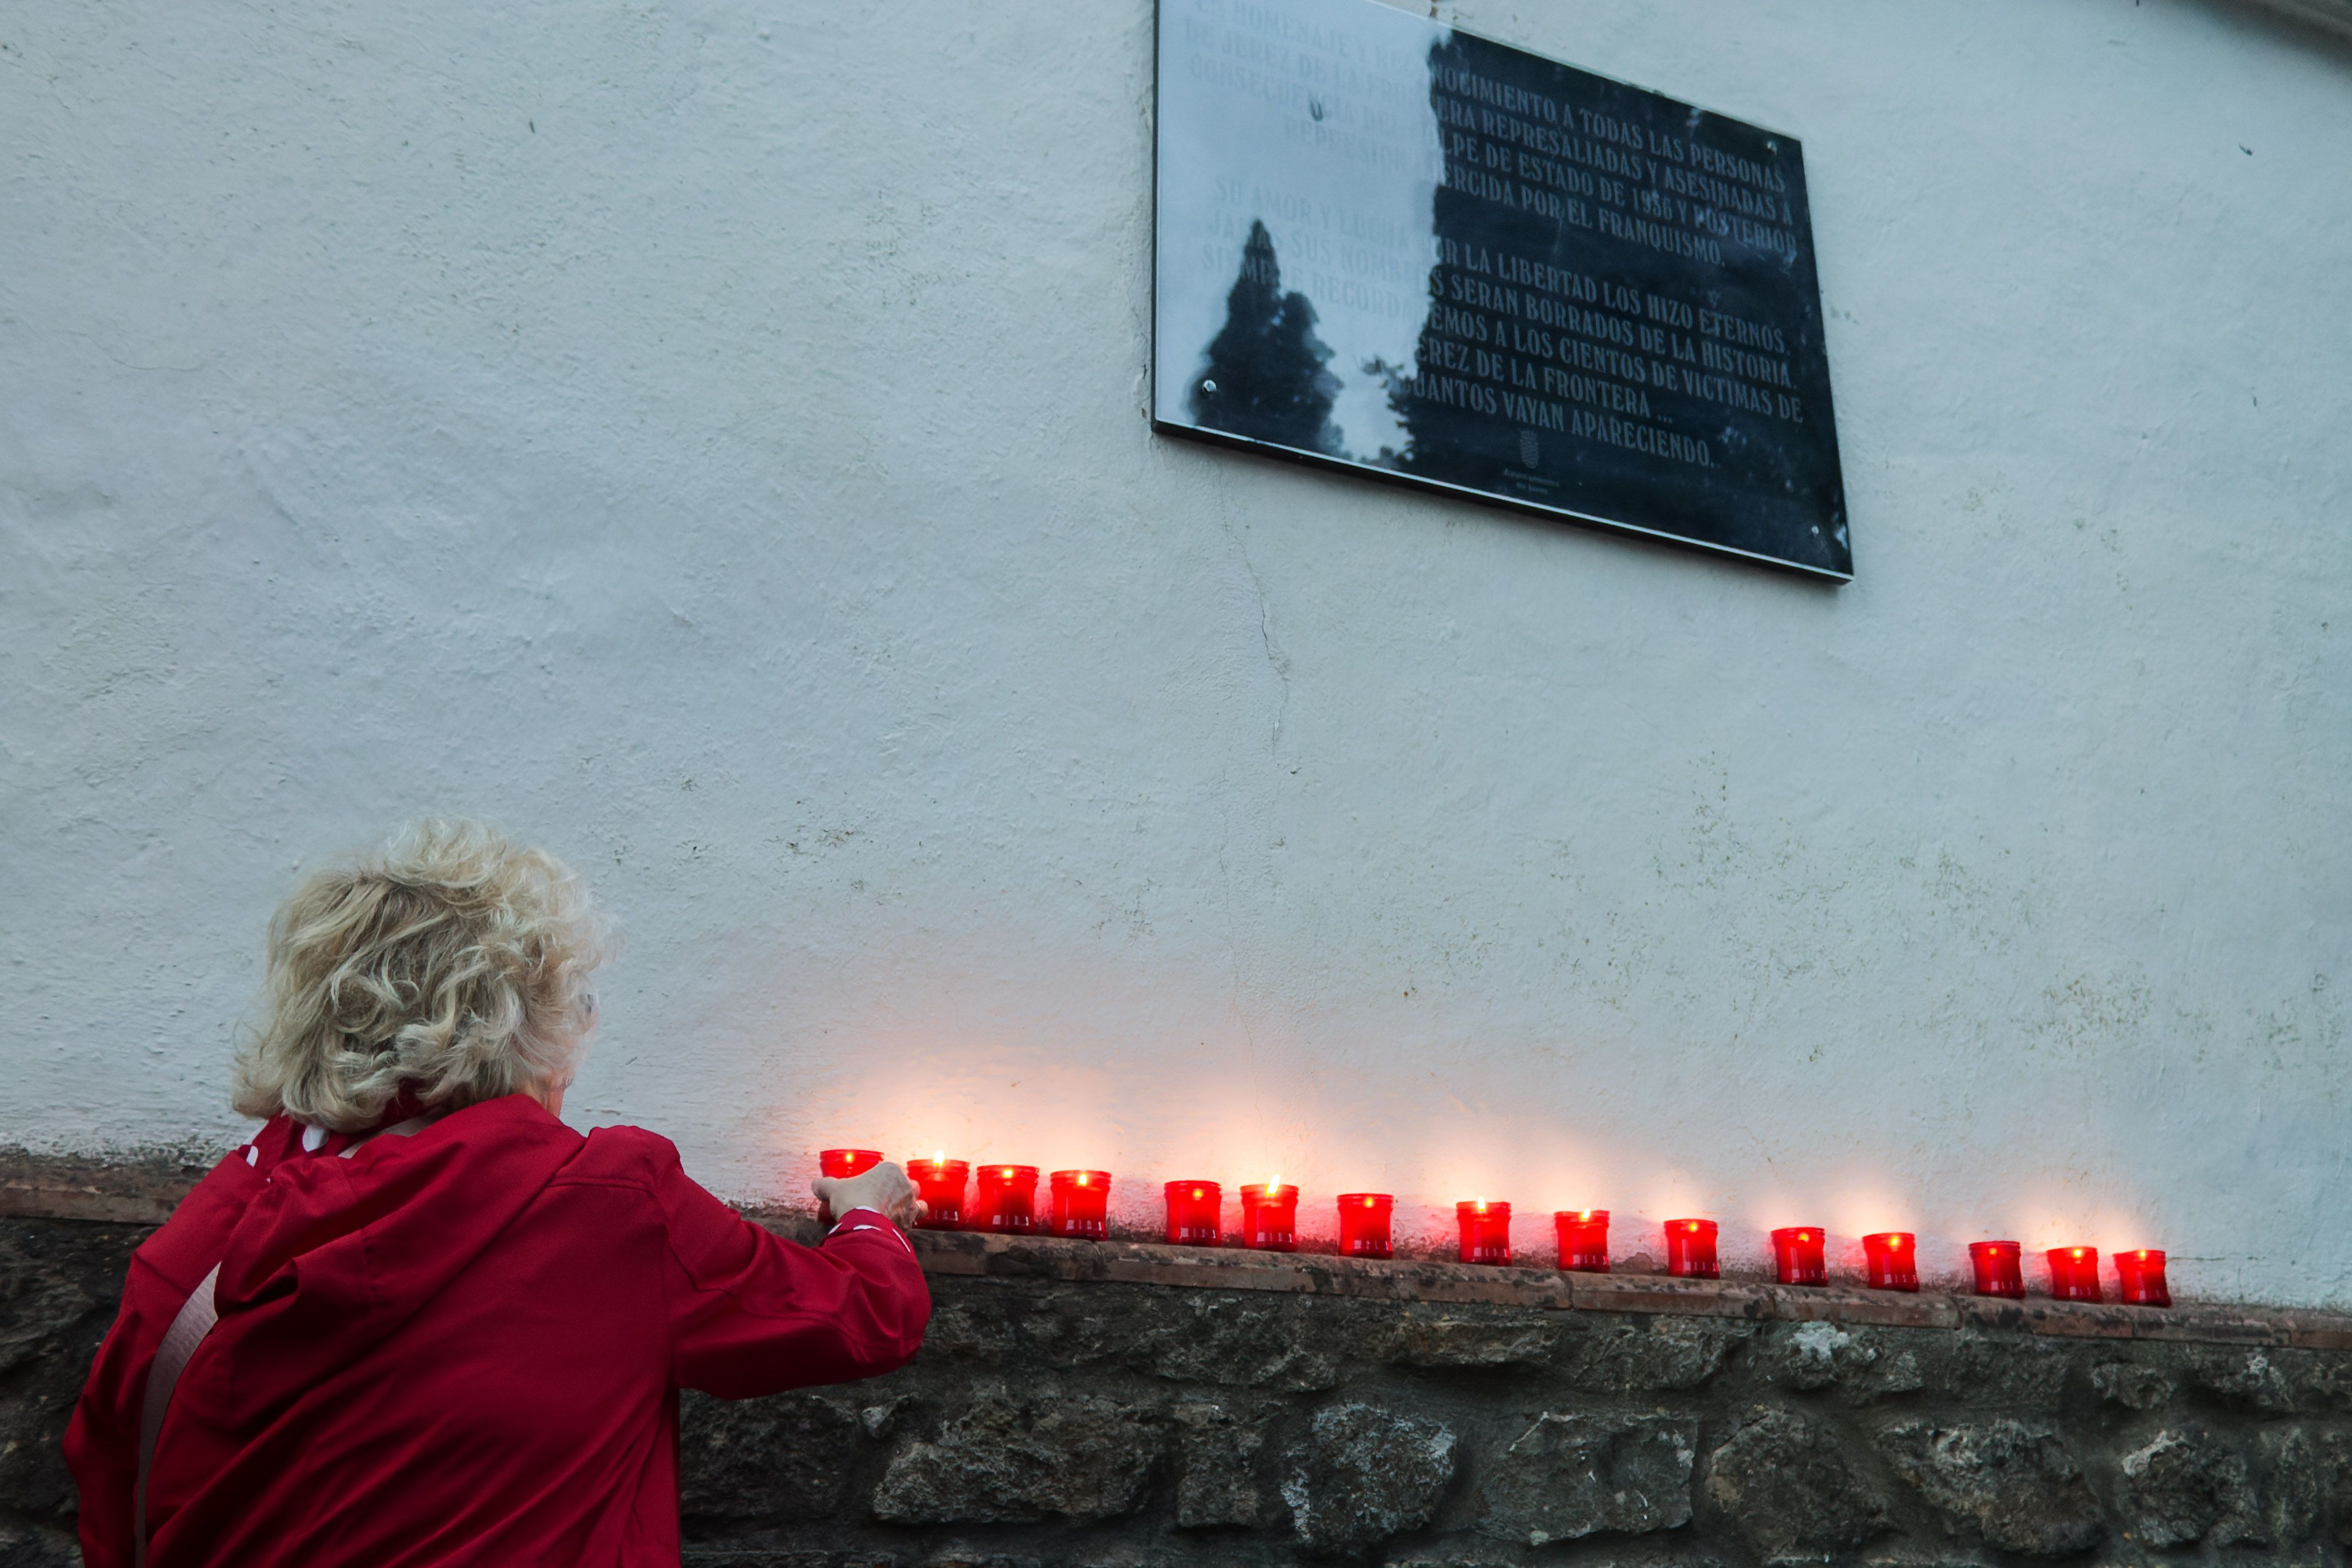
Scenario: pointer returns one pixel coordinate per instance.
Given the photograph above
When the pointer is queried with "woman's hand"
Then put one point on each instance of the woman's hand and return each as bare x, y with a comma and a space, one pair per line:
884, 1189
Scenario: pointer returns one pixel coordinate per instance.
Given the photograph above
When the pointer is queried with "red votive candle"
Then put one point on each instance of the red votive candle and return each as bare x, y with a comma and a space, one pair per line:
1079, 1200
1008, 1199
1364, 1219
1583, 1240
940, 1183
1195, 1213
1485, 1230
844, 1163
2074, 1273
1270, 1216
1996, 1267
1893, 1260
1798, 1255
1690, 1248
840, 1164
2141, 1273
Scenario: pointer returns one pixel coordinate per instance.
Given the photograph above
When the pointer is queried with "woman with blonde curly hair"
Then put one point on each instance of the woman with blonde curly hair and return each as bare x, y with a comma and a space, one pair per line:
417, 1318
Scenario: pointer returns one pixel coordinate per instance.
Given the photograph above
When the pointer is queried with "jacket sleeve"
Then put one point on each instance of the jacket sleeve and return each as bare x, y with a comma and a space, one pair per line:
752, 1313
101, 1446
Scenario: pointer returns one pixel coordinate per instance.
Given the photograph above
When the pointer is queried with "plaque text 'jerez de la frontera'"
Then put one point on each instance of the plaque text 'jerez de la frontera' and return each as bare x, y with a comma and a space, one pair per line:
1388, 243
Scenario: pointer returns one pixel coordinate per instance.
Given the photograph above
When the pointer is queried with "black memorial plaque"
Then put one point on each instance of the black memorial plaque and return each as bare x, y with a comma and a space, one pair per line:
1391, 244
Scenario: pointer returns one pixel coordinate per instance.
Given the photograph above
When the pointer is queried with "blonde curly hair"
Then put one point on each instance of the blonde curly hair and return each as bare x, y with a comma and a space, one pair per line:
450, 964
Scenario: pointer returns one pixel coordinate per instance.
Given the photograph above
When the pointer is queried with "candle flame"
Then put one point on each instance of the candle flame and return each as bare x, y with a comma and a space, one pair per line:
2078, 1251
1196, 1192
1273, 1185
938, 1156
1587, 1213
1481, 1205
1693, 1228
1082, 1178
1368, 1202
1008, 1173
1803, 1236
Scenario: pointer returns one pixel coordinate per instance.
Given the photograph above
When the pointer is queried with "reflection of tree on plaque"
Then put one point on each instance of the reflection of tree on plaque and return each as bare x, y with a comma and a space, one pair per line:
1452, 431
1265, 376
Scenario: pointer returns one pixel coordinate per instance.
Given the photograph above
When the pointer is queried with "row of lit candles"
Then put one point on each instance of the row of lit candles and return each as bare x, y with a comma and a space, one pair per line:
1078, 1201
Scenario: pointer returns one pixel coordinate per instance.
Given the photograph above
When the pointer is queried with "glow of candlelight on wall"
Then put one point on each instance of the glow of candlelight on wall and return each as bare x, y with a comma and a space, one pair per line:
2137, 1277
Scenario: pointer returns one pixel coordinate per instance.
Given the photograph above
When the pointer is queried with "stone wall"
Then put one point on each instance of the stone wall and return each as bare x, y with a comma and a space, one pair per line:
1143, 1405
59, 1281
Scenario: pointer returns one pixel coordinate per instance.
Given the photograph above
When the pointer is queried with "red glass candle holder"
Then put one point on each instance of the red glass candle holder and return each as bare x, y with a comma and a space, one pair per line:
1799, 1256
1485, 1230
940, 1183
2140, 1275
1007, 1200
1892, 1257
1080, 1202
2074, 1273
1690, 1250
1270, 1217
1995, 1264
841, 1164
1583, 1240
1364, 1221
1195, 1213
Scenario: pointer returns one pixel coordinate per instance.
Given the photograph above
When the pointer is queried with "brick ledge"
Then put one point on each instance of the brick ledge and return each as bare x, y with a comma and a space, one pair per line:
1421, 1279
41, 1187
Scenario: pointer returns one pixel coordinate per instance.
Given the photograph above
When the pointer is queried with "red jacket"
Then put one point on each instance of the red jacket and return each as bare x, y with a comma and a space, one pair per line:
460, 1347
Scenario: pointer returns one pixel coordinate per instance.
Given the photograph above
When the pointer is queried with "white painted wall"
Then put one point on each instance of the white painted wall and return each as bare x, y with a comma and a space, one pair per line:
708, 438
